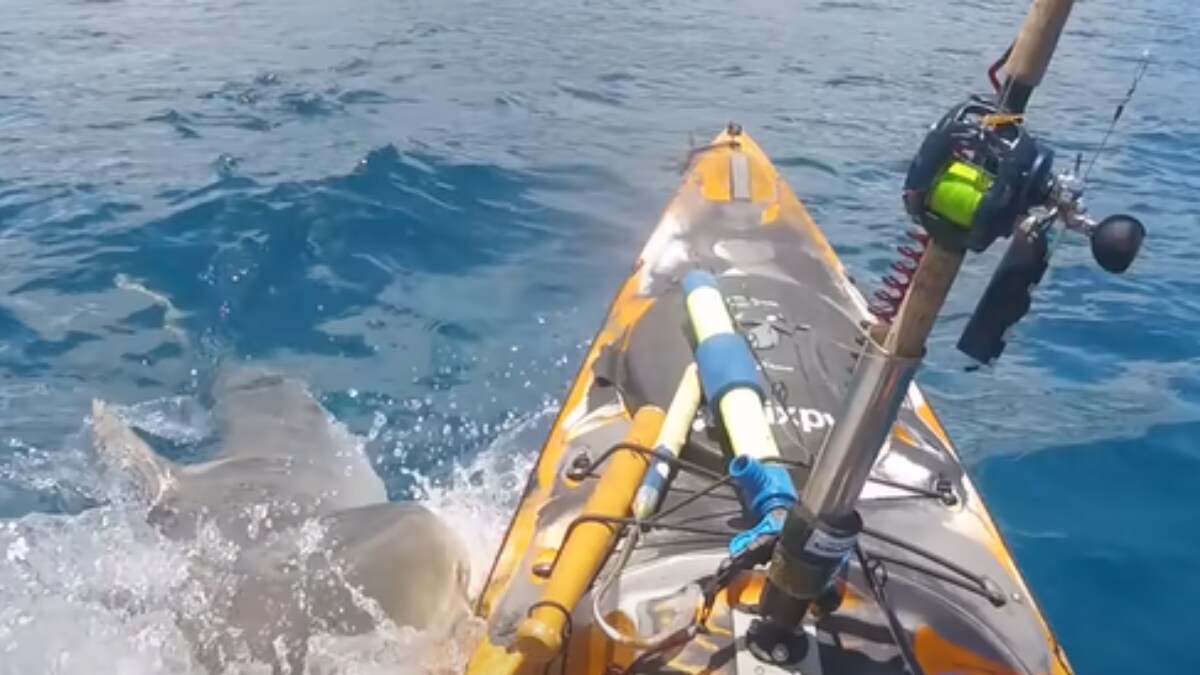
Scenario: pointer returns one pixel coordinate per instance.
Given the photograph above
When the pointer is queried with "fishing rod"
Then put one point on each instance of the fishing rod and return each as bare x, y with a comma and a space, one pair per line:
979, 175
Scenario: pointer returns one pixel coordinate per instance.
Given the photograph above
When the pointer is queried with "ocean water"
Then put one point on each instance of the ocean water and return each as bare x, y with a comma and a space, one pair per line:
423, 208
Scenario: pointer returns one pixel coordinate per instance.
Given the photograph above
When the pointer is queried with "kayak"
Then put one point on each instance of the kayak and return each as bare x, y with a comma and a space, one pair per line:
590, 580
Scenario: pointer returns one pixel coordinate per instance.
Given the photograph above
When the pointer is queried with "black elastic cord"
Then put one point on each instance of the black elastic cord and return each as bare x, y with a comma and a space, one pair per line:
711, 488
696, 152
876, 576
982, 585
566, 631
918, 491
622, 523
682, 637
590, 470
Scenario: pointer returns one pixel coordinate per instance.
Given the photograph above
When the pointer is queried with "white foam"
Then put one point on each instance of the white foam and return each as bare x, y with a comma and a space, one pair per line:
97, 592
90, 593
481, 495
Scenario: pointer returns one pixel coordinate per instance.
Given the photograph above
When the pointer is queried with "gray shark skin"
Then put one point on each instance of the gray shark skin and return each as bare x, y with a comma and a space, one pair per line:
309, 522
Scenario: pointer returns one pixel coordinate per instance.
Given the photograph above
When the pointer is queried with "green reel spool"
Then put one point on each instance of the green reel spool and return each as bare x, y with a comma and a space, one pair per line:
957, 192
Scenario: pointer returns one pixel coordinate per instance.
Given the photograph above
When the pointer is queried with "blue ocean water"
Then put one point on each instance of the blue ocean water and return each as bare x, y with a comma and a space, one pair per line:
423, 209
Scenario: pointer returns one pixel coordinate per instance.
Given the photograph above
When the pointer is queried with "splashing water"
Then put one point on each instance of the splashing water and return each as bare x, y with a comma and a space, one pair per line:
95, 588
99, 591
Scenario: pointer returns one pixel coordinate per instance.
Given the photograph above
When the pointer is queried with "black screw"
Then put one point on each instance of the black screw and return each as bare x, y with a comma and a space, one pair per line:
946, 490
780, 653
581, 465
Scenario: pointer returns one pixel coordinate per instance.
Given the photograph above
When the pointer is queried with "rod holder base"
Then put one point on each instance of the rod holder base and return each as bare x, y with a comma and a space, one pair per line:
807, 559
776, 645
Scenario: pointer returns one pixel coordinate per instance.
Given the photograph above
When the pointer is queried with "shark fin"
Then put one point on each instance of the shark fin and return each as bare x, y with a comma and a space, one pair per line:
119, 447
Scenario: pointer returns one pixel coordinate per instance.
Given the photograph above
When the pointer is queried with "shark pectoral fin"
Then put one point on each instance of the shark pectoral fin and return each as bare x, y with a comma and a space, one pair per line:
407, 559
119, 447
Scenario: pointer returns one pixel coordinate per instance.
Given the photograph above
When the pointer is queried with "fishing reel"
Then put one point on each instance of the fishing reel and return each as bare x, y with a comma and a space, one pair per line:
977, 171
979, 176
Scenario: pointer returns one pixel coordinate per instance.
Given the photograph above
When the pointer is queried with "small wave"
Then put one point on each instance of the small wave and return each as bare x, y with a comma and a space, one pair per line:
363, 96
309, 104
854, 80
590, 95
353, 66
842, 5
796, 162
617, 76
178, 121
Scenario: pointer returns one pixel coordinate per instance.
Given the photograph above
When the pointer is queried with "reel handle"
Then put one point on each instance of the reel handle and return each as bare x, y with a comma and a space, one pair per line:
1116, 241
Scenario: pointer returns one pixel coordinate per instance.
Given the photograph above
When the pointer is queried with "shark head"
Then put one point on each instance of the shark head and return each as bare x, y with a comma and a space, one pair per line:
281, 458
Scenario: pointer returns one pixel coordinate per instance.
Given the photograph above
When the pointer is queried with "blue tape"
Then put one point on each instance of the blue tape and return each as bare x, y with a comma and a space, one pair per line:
698, 279
654, 483
764, 487
725, 363
653, 479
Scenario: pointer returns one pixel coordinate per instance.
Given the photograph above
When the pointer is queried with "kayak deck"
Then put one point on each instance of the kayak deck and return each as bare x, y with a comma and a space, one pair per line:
930, 545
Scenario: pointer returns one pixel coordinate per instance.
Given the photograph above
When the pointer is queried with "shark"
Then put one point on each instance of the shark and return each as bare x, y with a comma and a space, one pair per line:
312, 545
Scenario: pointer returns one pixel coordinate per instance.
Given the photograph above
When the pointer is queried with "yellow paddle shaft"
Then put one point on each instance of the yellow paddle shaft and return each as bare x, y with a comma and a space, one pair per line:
540, 635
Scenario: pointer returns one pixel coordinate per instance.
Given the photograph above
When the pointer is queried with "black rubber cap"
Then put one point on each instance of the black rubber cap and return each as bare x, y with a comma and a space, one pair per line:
1116, 242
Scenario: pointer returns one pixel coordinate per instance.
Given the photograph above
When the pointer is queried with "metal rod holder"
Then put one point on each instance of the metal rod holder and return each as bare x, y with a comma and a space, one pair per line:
820, 532
881, 381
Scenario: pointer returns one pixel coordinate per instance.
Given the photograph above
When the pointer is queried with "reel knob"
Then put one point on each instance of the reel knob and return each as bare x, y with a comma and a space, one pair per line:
1116, 242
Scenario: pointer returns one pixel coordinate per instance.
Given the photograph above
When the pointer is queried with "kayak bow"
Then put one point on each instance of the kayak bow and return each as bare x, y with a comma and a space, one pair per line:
930, 578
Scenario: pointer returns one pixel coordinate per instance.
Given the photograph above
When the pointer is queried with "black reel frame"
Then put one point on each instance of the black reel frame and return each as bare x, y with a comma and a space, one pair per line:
1024, 202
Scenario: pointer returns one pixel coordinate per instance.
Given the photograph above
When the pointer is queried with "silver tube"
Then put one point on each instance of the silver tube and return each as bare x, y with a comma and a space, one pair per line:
844, 463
